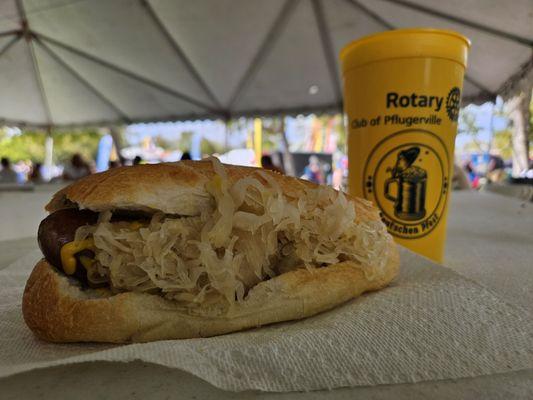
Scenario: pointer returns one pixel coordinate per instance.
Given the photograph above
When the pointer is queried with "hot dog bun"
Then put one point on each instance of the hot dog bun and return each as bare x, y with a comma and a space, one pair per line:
57, 309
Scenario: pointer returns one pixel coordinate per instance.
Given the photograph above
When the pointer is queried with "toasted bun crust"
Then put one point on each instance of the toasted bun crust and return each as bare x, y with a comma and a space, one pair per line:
58, 311
173, 188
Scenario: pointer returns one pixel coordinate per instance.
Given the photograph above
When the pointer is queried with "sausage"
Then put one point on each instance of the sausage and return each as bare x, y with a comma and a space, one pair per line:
59, 228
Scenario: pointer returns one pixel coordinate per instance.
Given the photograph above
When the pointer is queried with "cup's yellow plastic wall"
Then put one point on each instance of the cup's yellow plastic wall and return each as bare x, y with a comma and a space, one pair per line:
402, 93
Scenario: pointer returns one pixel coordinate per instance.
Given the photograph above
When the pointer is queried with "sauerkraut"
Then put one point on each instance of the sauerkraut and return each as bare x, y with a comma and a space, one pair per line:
252, 233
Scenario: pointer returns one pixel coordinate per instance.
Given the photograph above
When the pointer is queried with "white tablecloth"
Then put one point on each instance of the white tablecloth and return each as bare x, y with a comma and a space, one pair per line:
490, 240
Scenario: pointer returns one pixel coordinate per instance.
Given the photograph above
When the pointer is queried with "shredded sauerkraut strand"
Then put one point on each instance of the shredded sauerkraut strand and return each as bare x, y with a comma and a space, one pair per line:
253, 232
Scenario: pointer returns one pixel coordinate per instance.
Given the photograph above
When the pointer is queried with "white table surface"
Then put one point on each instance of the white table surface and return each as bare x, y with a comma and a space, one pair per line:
486, 234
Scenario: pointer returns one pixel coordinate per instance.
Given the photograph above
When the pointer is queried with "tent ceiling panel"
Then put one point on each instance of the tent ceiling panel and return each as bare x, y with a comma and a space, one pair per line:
20, 94
9, 17
69, 99
471, 91
220, 51
122, 33
294, 71
141, 60
517, 22
490, 55
137, 100
5, 42
347, 23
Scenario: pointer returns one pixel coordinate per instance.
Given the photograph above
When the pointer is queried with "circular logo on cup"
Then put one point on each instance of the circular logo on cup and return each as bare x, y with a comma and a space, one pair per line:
453, 101
406, 176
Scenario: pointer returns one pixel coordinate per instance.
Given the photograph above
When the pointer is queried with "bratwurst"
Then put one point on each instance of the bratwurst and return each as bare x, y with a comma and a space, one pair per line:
57, 230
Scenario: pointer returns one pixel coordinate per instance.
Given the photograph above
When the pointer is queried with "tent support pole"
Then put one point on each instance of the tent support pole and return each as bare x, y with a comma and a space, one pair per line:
83, 81
258, 140
180, 53
378, 19
48, 151
388, 25
9, 44
226, 135
117, 140
11, 32
327, 47
29, 37
127, 73
265, 48
288, 159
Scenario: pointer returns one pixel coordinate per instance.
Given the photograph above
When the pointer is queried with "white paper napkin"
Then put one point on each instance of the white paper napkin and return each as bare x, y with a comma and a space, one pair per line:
430, 324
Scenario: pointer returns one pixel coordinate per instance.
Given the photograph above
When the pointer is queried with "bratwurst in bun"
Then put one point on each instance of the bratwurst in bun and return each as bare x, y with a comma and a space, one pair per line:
198, 248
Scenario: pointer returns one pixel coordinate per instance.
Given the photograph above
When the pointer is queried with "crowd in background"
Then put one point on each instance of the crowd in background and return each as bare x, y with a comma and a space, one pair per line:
477, 174
20, 172
76, 167
468, 174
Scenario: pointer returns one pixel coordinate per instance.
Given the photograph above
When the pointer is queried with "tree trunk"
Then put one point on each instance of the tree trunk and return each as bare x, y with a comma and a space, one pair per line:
518, 111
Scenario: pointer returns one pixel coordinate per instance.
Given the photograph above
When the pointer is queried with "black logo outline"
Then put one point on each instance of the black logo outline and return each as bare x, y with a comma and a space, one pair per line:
453, 103
444, 170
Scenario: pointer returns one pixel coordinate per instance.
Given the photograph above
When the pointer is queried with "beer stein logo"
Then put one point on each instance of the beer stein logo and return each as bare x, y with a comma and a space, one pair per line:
410, 199
406, 176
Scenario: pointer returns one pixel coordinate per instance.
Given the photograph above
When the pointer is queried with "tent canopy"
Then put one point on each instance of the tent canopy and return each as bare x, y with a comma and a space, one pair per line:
93, 62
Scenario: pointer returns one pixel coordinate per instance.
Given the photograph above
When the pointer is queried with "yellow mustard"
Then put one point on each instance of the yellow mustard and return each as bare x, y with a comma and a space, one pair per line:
69, 250
135, 225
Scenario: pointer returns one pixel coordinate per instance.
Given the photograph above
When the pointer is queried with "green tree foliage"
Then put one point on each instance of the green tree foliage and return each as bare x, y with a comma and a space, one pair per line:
185, 141
342, 145
468, 126
502, 142
160, 141
29, 145
68, 143
234, 127
271, 134
336, 123
208, 147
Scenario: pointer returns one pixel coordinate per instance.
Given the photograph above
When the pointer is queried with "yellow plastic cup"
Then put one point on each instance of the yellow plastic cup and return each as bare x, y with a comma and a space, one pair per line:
402, 91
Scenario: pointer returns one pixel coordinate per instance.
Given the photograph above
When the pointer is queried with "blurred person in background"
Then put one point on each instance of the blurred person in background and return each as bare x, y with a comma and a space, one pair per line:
328, 173
340, 174
267, 163
496, 169
77, 168
472, 175
23, 170
36, 175
313, 171
7, 174
137, 160
185, 156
